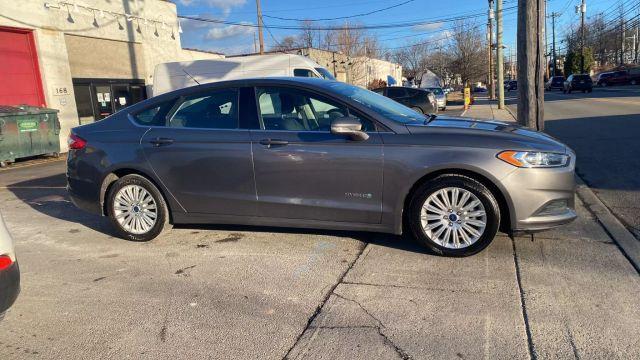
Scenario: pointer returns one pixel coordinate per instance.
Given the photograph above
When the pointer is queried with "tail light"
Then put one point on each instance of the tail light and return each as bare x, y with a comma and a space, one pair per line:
76, 142
5, 262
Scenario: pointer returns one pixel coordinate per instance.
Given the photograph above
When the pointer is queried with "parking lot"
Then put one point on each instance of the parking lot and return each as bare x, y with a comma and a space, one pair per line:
247, 292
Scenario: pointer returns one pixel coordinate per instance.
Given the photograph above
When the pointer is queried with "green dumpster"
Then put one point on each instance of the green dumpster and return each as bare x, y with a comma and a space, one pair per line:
28, 131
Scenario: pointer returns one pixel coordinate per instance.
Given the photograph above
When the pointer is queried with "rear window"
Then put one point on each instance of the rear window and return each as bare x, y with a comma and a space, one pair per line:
395, 92
581, 77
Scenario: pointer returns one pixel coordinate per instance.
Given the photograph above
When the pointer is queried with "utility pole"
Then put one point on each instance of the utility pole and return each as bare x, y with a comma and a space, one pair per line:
553, 16
622, 49
583, 11
530, 63
491, 83
500, 58
260, 36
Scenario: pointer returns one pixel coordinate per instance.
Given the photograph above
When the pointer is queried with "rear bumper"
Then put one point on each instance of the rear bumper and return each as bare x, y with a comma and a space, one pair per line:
9, 286
84, 195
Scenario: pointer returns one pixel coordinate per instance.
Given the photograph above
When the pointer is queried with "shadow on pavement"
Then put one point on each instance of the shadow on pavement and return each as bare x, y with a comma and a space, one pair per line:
48, 196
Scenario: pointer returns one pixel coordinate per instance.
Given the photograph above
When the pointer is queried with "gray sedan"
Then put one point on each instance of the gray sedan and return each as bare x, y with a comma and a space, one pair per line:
317, 154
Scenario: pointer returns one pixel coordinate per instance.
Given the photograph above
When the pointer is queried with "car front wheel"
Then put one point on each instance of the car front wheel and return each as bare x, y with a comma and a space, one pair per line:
136, 208
454, 215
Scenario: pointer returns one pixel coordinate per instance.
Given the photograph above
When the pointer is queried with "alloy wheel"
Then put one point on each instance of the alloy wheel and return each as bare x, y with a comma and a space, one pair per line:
453, 218
135, 209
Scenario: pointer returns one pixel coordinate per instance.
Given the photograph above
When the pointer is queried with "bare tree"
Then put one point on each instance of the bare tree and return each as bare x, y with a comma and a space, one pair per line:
413, 60
307, 36
287, 43
468, 52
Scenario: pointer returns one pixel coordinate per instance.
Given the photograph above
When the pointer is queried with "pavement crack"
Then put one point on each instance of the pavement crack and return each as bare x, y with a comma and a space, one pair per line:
361, 307
403, 355
326, 297
572, 343
523, 305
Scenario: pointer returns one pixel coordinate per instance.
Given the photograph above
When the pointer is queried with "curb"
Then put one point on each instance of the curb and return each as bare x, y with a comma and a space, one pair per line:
514, 116
628, 244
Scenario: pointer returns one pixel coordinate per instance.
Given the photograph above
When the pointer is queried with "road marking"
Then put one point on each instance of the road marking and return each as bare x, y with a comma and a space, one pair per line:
12, 167
32, 187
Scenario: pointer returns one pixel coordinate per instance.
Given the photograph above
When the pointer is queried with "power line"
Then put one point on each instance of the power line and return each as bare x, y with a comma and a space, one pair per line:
342, 17
343, 27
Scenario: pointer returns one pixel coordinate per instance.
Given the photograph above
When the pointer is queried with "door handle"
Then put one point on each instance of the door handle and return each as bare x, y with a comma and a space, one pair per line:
273, 142
161, 141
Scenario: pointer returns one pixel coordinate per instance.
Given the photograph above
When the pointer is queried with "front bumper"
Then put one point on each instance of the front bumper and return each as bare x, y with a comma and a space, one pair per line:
9, 286
532, 191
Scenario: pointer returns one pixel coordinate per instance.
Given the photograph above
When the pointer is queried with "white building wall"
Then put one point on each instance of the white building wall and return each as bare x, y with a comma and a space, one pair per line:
159, 43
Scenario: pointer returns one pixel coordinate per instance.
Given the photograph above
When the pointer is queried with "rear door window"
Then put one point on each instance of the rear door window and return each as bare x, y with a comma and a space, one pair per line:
216, 109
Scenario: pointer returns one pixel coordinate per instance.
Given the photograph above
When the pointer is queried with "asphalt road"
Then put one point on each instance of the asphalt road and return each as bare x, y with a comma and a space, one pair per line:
604, 129
249, 292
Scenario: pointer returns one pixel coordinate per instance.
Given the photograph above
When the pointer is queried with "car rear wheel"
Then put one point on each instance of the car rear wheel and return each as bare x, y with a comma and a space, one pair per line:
634, 82
136, 208
454, 215
417, 109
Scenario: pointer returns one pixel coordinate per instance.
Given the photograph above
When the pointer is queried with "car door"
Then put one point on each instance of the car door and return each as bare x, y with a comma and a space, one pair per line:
399, 94
303, 171
202, 156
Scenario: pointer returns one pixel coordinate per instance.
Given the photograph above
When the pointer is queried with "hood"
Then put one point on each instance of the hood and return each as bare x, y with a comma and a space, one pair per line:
489, 133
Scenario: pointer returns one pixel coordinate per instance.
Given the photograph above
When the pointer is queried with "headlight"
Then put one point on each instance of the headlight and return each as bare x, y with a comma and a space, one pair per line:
534, 159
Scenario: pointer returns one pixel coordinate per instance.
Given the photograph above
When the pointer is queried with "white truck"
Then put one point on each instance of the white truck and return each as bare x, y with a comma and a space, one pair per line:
176, 75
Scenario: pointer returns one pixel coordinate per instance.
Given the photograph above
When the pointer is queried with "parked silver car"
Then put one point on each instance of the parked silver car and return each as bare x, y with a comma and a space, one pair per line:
317, 154
441, 97
9, 271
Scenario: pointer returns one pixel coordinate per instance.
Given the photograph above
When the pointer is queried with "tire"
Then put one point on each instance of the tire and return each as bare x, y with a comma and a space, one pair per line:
139, 229
417, 109
604, 84
564, 91
569, 91
634, 82
463, 184
590, 90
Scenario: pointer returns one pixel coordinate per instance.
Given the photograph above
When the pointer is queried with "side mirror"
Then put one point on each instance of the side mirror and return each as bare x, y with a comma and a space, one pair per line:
350, 127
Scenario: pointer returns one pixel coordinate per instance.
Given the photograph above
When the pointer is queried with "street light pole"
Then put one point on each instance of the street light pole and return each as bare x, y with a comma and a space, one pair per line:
500, 58
553, 45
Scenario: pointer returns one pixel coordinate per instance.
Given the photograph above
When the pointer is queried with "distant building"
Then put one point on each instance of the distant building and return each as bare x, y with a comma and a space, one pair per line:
87, 59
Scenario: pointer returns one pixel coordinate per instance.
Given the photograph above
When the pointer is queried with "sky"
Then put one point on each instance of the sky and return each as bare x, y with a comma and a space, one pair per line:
423, 15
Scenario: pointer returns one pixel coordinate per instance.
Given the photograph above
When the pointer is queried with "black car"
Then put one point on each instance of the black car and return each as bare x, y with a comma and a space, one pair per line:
419, 100
555, 83
578, 82
511, 85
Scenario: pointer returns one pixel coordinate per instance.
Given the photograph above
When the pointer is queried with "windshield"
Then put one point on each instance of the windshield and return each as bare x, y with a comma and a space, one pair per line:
325, 73
379, 104
436, 91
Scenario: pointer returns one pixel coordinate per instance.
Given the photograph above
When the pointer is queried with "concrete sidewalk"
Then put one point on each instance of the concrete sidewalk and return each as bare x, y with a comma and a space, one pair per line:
483, 108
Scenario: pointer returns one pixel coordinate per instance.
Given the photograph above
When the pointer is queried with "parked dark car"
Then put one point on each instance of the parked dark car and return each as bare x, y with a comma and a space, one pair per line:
511, 85
312, 153
578, 82
602, 78
555, 83
622, 77
420, 100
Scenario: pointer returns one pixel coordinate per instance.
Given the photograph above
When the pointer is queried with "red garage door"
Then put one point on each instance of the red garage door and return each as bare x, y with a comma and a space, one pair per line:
19, 75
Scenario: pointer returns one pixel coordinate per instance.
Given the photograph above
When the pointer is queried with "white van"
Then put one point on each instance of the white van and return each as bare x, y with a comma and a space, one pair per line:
177, 75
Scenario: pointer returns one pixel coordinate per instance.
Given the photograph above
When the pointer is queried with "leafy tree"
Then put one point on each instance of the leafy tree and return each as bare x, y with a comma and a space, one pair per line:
572, 61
